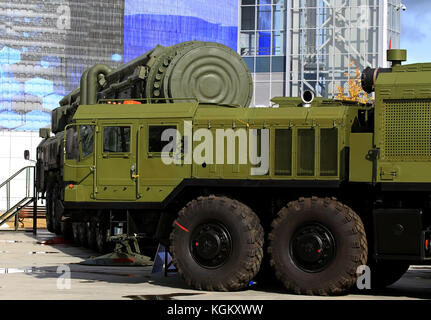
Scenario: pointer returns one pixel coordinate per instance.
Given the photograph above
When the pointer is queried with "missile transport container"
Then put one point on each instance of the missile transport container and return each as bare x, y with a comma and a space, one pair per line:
311, 189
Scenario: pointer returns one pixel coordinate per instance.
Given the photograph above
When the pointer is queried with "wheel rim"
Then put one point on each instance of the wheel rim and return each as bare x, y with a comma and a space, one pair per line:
211, 245
312, 247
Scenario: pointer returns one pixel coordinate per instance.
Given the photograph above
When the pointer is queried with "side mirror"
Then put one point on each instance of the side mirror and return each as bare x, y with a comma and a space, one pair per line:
44, 133
26, 155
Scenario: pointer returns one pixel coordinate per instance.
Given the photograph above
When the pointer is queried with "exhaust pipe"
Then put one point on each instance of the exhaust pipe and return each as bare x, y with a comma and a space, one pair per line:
307, 98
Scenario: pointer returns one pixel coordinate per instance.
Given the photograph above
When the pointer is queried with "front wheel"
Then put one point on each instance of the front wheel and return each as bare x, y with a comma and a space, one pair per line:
316, 246
216, 244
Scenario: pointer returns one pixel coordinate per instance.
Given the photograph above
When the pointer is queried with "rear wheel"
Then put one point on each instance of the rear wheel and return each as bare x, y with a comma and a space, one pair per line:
316, 246
103, 246
57, 209
66, 229
75, 232
82, 233
91, 235
216, 244
49, 209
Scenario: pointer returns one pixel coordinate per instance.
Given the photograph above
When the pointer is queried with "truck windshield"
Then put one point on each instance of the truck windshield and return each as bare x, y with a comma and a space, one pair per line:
87, 140
72, 150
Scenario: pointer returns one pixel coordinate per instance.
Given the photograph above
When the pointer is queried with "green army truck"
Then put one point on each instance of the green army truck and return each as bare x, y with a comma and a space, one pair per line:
310, 189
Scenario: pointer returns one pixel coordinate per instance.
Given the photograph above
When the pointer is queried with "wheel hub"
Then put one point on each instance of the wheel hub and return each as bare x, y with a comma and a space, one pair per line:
312, 247
211, 245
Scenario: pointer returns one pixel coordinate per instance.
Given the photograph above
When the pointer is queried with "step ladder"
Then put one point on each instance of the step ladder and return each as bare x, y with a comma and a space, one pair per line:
27, 206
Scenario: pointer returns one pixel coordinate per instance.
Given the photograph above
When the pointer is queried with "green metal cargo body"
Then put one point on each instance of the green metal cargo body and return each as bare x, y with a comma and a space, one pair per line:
310, 189
312, 141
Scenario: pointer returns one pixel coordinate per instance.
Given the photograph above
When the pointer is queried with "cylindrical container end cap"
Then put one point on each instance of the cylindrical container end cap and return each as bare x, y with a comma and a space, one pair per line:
397, 55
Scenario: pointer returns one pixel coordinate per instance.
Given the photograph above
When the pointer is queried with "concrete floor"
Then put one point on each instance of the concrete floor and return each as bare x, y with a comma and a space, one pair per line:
30, 270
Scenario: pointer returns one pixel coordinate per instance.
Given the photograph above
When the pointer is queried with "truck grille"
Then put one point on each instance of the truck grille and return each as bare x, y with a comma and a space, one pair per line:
406, 130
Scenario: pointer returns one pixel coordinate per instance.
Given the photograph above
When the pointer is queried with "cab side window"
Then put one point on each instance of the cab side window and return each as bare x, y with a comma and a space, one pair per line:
155, 143
86, 140
116, 139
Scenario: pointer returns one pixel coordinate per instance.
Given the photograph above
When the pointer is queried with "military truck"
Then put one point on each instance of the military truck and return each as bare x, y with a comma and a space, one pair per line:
310, 189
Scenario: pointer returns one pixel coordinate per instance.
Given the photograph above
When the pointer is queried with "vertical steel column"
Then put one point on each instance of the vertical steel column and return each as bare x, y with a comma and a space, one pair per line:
34, 202
166, 261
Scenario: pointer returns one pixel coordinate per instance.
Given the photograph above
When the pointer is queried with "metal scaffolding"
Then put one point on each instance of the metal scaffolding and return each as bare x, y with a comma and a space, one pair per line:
330, 38
317, 42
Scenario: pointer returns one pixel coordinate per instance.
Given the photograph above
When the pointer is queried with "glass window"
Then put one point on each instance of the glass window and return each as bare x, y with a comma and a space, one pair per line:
263, 64
264, 1
264, 18
264, 44
278, 21
248, 18
116, 139
279, 64
155, 143
248, 43
72, 150
248, 2
250, 63
87, 140
278, 43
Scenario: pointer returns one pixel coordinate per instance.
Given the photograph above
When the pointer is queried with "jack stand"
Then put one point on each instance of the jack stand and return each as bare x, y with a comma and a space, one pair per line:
123, 254
163, 262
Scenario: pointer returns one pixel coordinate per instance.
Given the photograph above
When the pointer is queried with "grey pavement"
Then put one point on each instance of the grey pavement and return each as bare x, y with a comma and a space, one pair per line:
30, 270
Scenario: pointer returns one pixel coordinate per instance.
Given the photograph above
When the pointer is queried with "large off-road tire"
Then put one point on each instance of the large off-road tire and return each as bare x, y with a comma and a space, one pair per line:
103, 246
75, 231
266, 273
58, 209
82, 233
91, 235
316, 246
384, 274
66, 230
50, 209
216, 244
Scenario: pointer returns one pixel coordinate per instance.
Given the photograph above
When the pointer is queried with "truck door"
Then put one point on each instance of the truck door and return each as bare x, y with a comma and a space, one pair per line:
116, 160
158, 179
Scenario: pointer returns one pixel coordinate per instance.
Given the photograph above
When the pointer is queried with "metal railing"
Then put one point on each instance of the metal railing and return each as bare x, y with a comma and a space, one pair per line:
30, 196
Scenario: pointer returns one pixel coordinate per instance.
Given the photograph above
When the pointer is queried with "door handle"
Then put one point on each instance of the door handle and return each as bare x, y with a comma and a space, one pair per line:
132, 172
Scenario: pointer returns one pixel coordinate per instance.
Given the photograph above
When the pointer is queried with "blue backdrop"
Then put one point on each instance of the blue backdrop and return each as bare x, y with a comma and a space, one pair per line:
37, 69
168, 22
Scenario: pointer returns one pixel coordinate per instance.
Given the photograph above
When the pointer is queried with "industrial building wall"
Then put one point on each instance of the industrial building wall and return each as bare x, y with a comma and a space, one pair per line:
12, 146
296, 45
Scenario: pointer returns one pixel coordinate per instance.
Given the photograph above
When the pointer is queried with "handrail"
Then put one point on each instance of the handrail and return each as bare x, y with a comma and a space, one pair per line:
30, 196
100, 101
15, 174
